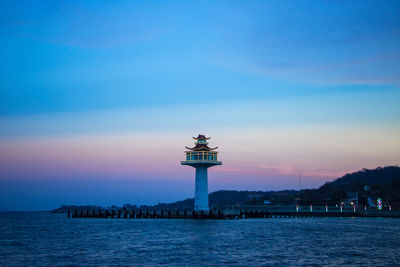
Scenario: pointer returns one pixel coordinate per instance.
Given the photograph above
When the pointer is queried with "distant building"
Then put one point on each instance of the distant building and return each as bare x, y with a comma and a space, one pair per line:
352, 199
254, 195
370, 202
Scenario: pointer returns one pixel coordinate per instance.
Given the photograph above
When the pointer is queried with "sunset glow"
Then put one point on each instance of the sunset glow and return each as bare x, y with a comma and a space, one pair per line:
84, 109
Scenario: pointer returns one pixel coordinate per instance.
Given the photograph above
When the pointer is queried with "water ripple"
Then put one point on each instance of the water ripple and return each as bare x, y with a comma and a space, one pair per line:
52, 239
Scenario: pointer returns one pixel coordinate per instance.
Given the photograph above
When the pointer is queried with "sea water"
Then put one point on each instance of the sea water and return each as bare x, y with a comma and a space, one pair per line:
41, 238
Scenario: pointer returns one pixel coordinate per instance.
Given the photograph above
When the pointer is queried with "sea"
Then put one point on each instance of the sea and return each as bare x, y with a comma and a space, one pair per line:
46, 239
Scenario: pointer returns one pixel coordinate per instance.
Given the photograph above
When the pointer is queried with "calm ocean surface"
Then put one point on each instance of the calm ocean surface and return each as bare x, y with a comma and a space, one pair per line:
52, 239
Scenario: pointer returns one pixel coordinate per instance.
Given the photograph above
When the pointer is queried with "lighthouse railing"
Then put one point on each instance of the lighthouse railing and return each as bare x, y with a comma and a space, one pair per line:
201, 156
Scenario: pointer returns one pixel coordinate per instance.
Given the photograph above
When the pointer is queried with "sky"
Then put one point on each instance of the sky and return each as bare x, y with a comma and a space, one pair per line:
98, 99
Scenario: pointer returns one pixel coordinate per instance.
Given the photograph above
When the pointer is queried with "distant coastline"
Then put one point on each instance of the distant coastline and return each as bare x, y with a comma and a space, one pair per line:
360, 188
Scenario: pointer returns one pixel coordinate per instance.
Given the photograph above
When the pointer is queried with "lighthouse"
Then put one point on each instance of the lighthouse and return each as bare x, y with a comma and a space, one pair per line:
201, 157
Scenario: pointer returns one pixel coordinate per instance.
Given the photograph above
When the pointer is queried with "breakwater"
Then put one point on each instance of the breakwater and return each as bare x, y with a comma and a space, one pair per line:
229, 213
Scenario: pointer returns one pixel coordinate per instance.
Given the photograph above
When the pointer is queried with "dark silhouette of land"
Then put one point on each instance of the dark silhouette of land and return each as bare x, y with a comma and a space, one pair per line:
380, 182
363, 187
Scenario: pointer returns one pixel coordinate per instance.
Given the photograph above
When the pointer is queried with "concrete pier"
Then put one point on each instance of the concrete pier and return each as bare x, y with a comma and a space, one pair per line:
227, 213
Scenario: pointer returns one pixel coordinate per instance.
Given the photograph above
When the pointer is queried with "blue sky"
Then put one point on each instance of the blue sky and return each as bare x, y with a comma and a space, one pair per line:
66, 56
97, 70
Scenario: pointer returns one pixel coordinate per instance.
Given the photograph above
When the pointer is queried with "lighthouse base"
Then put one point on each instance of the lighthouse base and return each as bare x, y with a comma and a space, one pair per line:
201, 190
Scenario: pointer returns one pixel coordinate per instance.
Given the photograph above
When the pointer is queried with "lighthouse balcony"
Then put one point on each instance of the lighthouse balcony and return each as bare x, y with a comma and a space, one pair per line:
201, 157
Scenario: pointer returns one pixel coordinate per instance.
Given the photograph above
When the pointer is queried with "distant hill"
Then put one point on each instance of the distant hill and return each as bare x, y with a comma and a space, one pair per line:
383, 182
233, 197
380, 182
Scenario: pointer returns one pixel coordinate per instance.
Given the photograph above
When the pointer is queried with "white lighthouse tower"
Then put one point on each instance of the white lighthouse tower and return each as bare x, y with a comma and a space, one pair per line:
201, 157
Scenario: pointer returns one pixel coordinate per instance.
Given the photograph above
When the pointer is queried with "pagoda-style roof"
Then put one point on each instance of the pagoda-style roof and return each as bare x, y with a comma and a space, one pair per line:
201, 144
201, 147
201, 137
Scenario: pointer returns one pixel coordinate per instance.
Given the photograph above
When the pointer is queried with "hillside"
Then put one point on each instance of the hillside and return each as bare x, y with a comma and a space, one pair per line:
383, 182
380, 182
